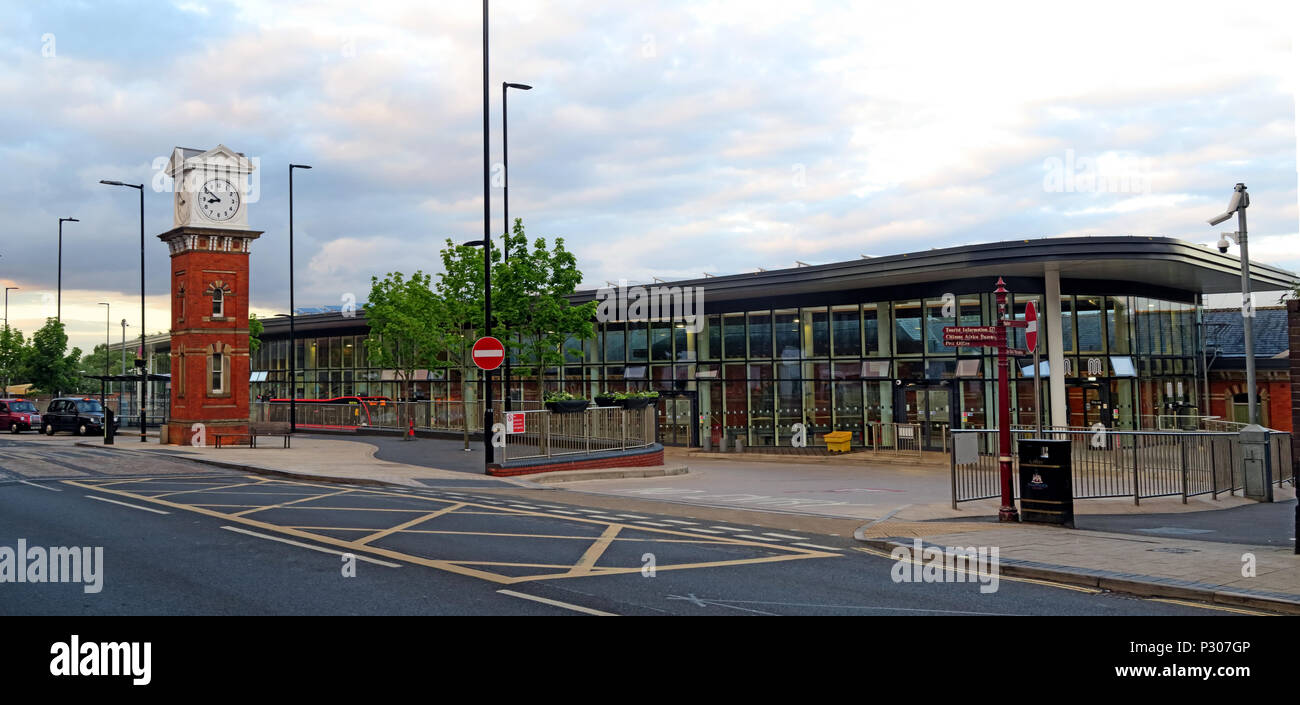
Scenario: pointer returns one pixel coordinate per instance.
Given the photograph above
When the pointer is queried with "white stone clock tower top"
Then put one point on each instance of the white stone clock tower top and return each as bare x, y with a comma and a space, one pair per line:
211, 189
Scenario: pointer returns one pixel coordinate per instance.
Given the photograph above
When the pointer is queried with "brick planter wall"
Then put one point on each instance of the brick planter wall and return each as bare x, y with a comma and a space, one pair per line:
631, 460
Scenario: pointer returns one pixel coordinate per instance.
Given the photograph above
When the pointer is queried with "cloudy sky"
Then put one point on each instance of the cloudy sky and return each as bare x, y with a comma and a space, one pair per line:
661, 139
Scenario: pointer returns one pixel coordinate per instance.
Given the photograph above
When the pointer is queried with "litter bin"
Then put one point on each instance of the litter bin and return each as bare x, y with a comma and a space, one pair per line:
1046, 482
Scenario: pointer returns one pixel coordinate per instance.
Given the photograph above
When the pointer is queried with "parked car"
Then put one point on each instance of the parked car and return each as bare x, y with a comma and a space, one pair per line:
18, 415
79, 415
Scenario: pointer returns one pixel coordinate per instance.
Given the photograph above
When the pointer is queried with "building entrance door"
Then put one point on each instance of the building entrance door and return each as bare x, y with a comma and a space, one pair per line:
1089, 403
677, 413
929, 406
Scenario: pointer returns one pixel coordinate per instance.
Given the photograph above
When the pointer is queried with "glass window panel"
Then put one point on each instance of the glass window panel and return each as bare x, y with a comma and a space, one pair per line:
733, 326
1117, 324
712, 338
935, 320
637, 347
816, 332
907, 328
786, 325
875, 327
846, 331
1088, 322
614, 342
760, 334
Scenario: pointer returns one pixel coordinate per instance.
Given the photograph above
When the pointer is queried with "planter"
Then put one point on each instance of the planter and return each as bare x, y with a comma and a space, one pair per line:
568, 406
636, 402
606, 400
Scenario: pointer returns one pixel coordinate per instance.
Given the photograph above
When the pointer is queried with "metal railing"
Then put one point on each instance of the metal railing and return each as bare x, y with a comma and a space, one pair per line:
593, 430
434, 415
895, 438
1138, 464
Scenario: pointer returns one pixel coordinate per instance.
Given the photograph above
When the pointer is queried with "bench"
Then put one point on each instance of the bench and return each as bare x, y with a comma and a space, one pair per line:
838, 441
278, 428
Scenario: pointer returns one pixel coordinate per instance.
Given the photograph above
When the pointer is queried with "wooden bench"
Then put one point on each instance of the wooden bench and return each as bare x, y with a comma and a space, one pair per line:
838, 441
277, 428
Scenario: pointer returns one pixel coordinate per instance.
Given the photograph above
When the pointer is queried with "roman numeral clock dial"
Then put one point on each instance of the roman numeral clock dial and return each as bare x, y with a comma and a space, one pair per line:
218, 200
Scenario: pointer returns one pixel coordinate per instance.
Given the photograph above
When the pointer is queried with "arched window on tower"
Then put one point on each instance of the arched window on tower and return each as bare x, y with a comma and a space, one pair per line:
218, 303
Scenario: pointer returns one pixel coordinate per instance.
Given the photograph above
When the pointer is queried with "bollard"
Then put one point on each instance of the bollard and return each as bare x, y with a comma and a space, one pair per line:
706, 442
740, 444
108, 426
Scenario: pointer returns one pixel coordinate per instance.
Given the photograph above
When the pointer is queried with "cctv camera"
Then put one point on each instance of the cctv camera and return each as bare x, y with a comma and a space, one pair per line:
1223, 245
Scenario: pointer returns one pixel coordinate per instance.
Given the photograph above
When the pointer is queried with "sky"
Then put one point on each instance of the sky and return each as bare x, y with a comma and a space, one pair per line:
660, 139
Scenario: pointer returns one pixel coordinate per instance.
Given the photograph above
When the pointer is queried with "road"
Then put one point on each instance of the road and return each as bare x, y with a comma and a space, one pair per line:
180, 538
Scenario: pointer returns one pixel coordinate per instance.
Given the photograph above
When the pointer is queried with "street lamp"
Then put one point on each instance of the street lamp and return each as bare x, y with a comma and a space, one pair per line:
103, 396
1240, 201
7, 290
121, 392
488, 458
59, 310
144, 383
505, 197
293, 338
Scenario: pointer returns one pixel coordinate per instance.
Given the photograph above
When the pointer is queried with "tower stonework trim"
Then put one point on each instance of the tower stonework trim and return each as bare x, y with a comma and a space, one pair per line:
205, 260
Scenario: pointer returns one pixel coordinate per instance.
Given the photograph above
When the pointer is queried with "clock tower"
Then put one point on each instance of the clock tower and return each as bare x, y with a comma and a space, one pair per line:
209, 243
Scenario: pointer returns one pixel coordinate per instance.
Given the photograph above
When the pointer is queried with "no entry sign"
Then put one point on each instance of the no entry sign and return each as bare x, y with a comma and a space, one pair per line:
1031, 326
488, 353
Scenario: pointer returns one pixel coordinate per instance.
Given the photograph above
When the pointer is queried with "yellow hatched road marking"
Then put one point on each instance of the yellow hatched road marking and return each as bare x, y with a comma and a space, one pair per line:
407, 524
207, 489
587, 568
295, 501
595, 551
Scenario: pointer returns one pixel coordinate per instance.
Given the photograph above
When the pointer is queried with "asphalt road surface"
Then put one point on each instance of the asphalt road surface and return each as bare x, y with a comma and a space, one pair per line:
181, 539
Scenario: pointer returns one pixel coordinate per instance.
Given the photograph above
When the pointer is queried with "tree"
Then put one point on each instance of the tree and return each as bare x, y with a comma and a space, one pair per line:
48, 364
459, 292
12, 349
255, 329
531, 302
403, 317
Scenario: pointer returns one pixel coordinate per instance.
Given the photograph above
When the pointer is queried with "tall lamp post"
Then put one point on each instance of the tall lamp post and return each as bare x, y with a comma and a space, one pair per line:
293, 338
58, 312
120, 390
7, 290
103, 385
1240, 201
487, 253
505, 197
144, 380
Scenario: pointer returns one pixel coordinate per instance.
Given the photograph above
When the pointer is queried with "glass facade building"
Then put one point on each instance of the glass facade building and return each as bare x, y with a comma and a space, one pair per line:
844, 346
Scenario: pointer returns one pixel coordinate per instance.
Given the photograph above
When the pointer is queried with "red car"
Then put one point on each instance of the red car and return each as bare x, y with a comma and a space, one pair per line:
18, 415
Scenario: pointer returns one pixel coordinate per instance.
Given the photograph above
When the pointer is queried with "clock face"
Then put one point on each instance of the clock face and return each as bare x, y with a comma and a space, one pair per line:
218, 200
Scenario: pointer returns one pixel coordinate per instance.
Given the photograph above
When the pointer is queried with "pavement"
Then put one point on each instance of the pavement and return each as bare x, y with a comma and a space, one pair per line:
1229, 551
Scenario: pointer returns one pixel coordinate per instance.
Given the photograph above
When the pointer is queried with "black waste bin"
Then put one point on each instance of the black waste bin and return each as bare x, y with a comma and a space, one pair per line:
1046, 482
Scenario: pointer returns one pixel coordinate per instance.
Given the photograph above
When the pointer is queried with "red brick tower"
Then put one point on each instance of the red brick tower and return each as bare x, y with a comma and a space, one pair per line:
209, 326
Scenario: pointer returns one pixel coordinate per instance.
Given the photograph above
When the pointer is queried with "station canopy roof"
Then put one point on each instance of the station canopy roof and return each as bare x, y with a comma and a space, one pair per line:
1156, 261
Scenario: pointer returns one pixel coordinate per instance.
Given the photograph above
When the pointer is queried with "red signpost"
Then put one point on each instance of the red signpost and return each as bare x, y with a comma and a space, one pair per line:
996, 335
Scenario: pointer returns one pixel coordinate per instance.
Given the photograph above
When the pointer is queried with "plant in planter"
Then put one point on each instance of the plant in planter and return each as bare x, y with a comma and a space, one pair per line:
606, 399
565, 403
635, 400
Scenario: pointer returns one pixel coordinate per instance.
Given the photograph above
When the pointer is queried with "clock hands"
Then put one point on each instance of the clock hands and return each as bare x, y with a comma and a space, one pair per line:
214, 199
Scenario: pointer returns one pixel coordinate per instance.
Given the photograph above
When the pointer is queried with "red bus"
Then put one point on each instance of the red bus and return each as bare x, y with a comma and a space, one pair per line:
361, 415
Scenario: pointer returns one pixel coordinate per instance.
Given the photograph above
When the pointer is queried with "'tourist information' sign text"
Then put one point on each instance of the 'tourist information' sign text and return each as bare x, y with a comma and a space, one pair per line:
970, 336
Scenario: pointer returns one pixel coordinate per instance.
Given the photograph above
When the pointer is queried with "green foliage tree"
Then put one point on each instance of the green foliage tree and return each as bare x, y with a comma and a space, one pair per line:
255, 329
459, 294
530, 302
12, 350
403, 317
48, 364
